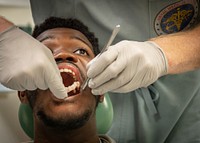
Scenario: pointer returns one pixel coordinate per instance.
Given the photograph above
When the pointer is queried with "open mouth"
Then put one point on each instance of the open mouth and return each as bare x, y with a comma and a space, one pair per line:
70, 81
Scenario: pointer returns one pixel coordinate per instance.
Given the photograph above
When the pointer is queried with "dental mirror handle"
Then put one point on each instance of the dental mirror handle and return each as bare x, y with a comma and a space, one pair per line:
112, 37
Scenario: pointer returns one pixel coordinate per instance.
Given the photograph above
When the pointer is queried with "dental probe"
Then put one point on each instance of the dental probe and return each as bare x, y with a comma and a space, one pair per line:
112, 37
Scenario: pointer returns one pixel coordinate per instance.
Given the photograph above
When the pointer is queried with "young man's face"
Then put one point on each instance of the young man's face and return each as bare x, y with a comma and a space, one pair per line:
72, 51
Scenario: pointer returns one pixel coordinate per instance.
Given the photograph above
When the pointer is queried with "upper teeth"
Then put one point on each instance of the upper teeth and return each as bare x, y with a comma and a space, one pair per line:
68, 71
75, 85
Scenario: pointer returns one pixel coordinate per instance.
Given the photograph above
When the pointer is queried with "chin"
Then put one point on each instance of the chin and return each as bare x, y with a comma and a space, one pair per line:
65, 121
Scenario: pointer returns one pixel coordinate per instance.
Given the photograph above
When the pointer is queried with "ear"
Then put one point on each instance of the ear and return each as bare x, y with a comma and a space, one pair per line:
101, 98
22, 96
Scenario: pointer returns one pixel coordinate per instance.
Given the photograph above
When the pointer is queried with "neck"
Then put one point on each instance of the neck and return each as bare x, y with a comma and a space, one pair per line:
85, 134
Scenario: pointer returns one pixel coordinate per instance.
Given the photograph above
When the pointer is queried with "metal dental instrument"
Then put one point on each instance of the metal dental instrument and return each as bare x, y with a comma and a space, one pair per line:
112, 37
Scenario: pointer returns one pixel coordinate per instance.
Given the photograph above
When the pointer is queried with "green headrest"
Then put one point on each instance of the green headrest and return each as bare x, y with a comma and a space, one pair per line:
104, 117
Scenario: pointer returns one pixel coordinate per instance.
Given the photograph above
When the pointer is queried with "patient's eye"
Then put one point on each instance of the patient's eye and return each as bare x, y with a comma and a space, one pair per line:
81, 52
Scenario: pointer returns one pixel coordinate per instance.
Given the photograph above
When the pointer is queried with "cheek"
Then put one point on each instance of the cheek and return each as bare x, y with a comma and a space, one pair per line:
43, 99
85, 61
82, 104
83, 101
91, 101
83, 65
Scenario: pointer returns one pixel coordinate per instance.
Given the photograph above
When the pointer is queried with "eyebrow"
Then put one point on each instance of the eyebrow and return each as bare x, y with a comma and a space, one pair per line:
73, 37
78, 38
46, 38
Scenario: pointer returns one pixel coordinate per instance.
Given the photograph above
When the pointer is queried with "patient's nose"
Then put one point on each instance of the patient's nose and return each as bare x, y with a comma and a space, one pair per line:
65, 56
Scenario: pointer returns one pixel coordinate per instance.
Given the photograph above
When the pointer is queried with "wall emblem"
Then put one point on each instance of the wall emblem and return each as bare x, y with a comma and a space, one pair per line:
176, 17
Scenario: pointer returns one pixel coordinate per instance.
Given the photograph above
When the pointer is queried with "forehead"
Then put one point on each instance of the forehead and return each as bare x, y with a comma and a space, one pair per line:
64, 32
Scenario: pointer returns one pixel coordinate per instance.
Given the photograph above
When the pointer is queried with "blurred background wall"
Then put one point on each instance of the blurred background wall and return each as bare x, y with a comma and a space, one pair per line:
17, 11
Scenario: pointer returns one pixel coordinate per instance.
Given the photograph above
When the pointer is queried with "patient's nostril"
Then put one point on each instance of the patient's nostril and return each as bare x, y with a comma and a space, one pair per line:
70, 59
58, 60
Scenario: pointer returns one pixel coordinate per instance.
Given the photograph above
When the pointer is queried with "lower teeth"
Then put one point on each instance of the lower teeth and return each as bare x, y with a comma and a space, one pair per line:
73, 87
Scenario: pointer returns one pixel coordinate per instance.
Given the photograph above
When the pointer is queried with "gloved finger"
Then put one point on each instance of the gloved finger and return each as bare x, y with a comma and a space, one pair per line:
121, 80
44, 79
111, 72
55, 84
113, 84
32, 67
91, 62
57, 88
54, 80
101, 62
108, 86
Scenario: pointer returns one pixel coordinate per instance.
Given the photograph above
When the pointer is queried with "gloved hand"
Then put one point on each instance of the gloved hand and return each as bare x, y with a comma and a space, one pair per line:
26, 64
126, 66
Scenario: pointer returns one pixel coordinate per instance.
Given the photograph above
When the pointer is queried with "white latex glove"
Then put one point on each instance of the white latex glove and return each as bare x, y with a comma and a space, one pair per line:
26, 64
126, 66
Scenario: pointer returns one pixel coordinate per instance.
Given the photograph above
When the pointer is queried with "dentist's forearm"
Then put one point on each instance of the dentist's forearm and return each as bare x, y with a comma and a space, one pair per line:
4, 24
182, 50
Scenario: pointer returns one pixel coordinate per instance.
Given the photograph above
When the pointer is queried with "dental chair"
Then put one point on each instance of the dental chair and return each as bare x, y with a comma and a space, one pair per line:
104, 117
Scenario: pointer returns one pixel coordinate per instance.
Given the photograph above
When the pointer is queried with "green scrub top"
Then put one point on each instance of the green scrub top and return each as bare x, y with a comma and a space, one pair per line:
167, 111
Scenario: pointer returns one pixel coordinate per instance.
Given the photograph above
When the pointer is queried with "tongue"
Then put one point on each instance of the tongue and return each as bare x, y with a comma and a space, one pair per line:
67, 79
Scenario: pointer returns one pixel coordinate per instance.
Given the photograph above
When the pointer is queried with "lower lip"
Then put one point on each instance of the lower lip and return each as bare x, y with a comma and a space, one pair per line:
70, 98
65, 99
